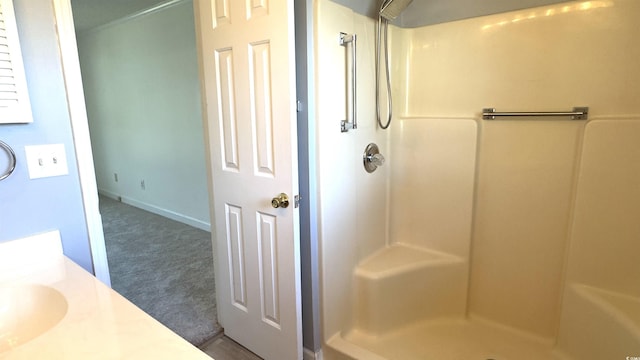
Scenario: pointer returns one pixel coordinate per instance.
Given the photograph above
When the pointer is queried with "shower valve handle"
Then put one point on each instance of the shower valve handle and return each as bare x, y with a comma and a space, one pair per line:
376, 159
372, 158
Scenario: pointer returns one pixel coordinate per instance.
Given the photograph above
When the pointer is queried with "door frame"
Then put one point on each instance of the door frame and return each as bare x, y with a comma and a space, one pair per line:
81, 138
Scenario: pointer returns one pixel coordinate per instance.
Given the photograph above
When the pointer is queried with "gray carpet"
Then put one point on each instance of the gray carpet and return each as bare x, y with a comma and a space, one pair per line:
164, 267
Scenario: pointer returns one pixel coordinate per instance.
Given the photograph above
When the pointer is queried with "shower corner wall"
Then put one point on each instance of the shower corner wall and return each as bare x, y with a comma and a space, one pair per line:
353, 203
602, 292
368, 277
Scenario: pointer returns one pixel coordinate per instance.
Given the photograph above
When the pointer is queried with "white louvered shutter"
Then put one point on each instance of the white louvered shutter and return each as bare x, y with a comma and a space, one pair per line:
14, 96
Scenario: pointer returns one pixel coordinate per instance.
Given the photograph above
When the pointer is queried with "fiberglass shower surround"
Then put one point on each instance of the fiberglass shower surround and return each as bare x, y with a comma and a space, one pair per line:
506, 238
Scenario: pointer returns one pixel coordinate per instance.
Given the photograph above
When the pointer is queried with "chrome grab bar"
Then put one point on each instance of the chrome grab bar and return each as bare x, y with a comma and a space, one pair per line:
12, 164
346, 125
578, 113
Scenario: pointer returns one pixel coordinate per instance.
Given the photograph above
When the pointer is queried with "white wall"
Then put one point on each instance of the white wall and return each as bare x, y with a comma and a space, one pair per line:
143, 103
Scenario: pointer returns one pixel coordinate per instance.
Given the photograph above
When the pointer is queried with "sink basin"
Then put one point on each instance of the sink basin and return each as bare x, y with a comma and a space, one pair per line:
27, 311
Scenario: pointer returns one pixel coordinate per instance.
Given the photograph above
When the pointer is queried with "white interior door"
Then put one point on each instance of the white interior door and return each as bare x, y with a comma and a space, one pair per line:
247, 59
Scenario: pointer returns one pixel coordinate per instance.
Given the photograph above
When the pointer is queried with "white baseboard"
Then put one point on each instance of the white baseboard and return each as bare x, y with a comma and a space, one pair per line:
310, 355
158, 210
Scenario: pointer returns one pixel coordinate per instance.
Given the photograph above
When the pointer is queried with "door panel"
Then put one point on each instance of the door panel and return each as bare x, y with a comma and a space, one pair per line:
226, 108
235, 244
260, 81
268, 266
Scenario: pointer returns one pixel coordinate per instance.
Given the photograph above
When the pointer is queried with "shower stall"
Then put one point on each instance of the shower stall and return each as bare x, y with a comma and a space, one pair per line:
512, 238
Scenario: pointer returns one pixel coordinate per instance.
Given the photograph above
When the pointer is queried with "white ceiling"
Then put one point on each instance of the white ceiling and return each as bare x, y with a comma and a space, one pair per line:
91, 13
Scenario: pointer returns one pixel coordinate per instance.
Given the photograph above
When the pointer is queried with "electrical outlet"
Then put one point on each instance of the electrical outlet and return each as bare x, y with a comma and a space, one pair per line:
46, 160
142, 185
115, 177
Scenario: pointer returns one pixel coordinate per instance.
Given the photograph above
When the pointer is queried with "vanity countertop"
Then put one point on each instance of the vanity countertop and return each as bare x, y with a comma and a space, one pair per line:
98, 324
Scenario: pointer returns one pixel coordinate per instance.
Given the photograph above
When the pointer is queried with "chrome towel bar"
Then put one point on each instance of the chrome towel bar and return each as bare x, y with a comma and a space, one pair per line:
578, 113
12, 163
346, 125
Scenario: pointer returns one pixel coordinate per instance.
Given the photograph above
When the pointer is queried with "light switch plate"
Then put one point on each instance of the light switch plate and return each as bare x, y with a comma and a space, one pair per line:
46, 160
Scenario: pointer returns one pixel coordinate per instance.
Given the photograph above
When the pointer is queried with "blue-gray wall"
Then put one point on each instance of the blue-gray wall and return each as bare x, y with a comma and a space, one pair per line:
29, 207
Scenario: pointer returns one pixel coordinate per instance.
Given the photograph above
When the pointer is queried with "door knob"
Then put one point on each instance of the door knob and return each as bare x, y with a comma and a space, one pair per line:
280, 201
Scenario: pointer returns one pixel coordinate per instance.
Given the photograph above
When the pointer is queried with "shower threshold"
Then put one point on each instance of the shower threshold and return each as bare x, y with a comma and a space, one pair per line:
454, 339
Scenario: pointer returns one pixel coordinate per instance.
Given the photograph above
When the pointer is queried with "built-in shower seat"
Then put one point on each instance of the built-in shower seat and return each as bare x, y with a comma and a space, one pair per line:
402, 284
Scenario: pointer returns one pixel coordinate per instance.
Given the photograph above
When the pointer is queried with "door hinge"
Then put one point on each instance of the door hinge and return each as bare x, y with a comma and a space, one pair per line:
296, 201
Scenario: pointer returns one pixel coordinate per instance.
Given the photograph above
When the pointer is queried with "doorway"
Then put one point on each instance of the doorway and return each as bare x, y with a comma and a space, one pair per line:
141, 84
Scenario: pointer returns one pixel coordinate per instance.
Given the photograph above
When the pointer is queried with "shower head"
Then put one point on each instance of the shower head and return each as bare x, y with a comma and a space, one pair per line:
390, 9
